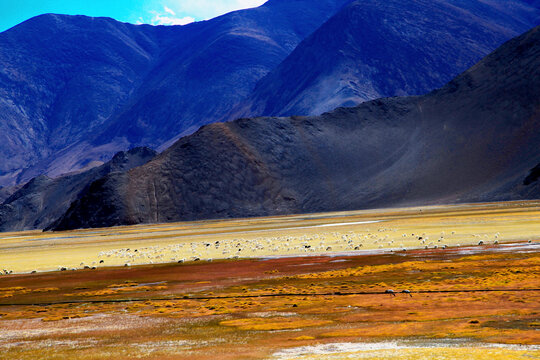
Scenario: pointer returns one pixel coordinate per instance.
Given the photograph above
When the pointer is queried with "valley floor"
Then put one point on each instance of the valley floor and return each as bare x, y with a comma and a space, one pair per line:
355, 232
478, 300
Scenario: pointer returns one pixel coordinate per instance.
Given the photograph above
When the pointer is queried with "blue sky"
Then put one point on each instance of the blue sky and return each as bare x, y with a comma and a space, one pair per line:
156, 12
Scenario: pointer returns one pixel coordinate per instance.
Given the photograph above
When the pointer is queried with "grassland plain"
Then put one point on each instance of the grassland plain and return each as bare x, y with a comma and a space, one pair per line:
330, 233
470, 301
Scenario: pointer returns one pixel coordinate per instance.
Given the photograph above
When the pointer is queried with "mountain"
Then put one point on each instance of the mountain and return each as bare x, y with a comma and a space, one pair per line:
74, 90
6, 192
475, 139
199, 82
383, 48
61, 78
42, 200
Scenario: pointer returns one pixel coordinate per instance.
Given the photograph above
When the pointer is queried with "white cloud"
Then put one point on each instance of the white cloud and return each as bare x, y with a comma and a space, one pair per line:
167, 17
167, 20
206, 9
191, 10
167, 10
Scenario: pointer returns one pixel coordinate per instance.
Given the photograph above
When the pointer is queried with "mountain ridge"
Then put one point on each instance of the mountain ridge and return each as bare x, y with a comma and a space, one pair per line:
75, 90
475, 139
382, 49
66, 81
42, 200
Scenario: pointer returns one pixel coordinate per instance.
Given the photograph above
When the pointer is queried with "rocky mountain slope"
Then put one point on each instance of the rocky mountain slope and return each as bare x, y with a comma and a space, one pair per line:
383, 48
61, 78
74, 90
42, 200
475, 139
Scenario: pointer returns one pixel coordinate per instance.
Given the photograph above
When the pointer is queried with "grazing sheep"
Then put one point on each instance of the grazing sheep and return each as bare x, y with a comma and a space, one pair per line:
407, 292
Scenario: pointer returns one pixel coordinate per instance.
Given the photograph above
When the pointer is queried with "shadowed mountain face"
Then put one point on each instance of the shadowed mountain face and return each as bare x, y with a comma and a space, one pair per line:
75, 90
7, 192
384, 48
476, 139
61, 78
42, 200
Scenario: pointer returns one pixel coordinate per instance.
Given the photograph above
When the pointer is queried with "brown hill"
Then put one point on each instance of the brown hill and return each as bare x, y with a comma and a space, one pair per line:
476, 139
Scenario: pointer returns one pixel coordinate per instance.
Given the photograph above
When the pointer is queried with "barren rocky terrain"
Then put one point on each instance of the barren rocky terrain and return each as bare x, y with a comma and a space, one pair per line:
476, 139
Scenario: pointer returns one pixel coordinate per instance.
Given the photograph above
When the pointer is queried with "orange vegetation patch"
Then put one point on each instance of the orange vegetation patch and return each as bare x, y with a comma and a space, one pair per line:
127, 284
199, 304
438, 330
304, 337
277, 323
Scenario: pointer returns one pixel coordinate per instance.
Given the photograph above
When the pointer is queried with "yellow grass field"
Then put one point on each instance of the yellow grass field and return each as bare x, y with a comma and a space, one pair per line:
330, 233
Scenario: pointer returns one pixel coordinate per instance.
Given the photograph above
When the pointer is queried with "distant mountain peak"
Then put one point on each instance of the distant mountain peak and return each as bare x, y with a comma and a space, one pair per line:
379, 49
75, 89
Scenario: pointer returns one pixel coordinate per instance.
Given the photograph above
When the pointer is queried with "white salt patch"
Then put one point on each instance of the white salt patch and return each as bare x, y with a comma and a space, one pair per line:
336, 348
350, 348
